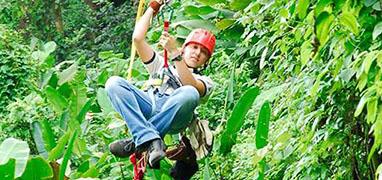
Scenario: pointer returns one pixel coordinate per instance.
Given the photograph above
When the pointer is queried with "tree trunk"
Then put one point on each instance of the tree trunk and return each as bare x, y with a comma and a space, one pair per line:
58, 18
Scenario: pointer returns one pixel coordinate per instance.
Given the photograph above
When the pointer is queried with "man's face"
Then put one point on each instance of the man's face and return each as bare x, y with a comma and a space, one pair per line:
195, 55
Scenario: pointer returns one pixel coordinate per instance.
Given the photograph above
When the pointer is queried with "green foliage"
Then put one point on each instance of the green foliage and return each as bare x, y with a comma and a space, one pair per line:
326, 54
37, 168
318, 63
302, 7
14, 162
323, 26
235, 122
16, 68
7, 170
262, 128
14, 149
67, 155
39, 139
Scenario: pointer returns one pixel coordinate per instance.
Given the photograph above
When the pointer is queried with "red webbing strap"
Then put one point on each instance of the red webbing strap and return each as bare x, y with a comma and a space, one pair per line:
166, 25
139, 167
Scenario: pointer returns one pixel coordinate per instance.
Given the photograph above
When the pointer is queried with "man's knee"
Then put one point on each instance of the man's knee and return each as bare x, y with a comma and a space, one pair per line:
113, 84
189, 94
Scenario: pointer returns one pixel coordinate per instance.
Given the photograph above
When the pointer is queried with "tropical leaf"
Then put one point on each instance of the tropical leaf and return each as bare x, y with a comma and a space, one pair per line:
369, 59
239, 4
93, 171
369, 3
225, 23
321, 5
270, 95
104, 101
262, 166
231, 84
372, 105
37, 168
68, 74
48, 136
322, 26
67, 155
40, 55
78, 99
81, 115
102, 78
45, 78
7, 170
236, 119
197, 23
306, 51
58, 101
16, 149
206, 171
262, 58
302, 8
350, 21
377, 30
38, 138
59, 149
50, 47
262, 128
362, 81
360, 106
198, 10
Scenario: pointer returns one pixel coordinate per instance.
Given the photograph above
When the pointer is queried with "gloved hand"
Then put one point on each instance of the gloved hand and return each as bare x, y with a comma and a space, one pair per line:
155, 5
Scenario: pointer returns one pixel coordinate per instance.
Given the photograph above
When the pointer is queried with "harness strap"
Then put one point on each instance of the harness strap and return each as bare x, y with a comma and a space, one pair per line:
151, 91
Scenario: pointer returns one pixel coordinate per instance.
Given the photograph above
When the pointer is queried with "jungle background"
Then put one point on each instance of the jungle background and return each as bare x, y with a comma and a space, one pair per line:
298, 87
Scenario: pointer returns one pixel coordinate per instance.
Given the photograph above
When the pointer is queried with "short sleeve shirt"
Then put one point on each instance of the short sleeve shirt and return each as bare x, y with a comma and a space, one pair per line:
155, 65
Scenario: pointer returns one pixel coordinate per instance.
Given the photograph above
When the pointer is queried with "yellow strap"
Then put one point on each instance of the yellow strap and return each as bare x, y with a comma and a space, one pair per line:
133, 49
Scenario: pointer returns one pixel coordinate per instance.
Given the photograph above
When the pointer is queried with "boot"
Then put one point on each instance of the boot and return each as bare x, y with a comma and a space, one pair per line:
122, 148
156, 152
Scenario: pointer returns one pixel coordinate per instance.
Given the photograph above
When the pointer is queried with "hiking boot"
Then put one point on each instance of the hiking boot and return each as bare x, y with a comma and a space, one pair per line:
122, 148
156, 152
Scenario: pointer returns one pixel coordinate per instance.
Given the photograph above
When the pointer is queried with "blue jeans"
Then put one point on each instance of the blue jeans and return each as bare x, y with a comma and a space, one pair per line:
173, 112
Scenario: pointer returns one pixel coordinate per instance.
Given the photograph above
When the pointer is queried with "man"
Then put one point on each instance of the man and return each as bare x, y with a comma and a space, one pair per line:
168, 109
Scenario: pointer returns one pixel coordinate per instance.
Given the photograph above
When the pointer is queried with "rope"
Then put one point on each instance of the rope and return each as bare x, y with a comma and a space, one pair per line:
133, 49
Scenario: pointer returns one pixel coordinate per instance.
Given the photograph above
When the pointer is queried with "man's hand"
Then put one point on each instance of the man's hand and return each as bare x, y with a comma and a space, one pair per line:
155, 5
168, 42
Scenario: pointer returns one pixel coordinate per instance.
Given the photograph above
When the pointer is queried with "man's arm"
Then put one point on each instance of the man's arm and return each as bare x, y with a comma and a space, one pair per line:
187, 78
143, 48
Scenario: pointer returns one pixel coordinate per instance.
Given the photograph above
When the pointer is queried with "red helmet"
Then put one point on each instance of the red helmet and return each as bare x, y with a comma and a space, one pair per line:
202, 37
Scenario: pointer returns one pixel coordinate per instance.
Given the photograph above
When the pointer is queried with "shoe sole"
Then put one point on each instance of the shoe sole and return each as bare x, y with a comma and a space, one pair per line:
156, 160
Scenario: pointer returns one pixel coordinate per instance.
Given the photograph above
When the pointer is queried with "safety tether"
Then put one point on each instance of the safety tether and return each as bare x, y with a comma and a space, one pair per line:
156, 80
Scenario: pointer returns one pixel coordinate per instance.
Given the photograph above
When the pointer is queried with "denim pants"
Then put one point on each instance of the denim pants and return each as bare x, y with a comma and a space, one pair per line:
173, 112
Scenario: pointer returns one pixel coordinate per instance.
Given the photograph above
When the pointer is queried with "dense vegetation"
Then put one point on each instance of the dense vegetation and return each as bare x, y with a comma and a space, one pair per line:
298, 87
